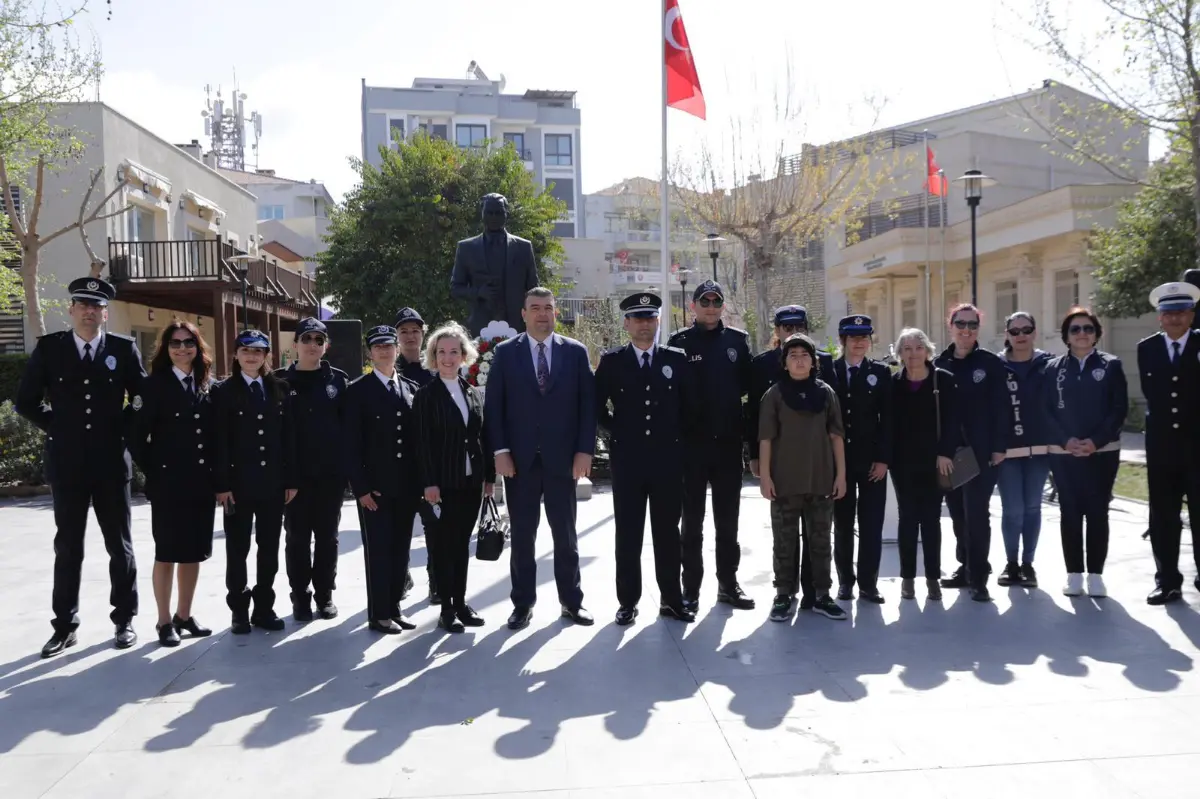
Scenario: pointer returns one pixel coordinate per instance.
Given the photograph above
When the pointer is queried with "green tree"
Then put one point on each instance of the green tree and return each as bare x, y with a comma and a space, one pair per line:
392, 244
1152, 241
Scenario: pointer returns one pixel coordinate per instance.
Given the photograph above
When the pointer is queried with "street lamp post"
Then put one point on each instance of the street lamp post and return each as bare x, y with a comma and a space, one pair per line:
241, 264
974, 182
714, 243
684, 274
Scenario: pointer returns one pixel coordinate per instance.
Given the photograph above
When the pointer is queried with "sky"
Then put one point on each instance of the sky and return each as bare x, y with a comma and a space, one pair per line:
302, 62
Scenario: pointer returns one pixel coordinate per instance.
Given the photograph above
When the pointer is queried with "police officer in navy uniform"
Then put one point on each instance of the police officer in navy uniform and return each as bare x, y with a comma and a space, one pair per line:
74, 388
720, 357
1169, 368
317, 391
381, 462
864, 392
765, 369
410, 333
653, 395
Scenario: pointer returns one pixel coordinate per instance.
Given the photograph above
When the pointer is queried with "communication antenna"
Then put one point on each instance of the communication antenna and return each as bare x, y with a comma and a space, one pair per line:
225, 127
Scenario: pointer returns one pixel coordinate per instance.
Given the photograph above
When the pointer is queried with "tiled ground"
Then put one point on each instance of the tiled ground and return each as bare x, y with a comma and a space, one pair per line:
1035, 695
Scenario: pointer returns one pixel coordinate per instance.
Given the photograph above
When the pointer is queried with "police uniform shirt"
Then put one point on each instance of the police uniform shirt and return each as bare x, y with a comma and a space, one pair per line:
89, 348
641, 355
1175, 349
186, 380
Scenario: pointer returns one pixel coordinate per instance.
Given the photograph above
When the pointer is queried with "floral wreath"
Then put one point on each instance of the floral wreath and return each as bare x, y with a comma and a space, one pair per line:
489, 338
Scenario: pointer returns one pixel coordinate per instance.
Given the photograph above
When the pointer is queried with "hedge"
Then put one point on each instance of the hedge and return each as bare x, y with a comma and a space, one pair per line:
12, 365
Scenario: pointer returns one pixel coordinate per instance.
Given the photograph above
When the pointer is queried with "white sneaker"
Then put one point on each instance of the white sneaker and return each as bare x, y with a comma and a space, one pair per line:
1095, 586
1074, 586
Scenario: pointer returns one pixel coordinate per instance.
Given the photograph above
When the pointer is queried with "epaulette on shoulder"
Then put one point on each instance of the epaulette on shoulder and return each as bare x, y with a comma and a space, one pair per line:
738, 330
1150, 337
55, 335
677, 350
613, 351
130, 339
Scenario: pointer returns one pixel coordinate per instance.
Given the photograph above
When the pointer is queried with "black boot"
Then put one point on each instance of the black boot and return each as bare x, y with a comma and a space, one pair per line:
302, 606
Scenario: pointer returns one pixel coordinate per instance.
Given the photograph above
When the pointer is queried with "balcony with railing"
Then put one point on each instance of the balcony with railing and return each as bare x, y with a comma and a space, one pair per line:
881, 216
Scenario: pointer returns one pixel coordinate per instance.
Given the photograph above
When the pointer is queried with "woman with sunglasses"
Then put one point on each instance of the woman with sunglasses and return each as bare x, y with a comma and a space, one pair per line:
981, 381
1086, 399
311, 521
173, 434
1022, 475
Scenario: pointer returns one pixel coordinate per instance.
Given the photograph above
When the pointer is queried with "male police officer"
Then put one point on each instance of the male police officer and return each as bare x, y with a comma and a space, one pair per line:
864, 389
1169, 367
765, 370
84, 376
410, 330
653, 398
720, 357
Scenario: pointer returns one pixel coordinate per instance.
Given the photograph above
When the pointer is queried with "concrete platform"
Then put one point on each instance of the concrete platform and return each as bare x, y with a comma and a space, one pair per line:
1035, 695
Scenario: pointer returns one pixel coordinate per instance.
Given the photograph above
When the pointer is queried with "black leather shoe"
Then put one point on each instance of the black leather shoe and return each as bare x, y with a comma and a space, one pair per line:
691, 606
677, 612
302, 606
267, 620
981, 594
326, 609
240, 624
450, 623
64, 639
385, 626
467, 615
956, 580
124, 636
845, 593
579, 615
735, 597
435, 599
190, 626
520, 618
871, 595
625, 616
404, 622
1163, 596
168, 635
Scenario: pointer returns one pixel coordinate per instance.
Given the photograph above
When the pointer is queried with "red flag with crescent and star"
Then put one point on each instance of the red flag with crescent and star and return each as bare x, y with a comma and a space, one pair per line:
935, 184
683, 84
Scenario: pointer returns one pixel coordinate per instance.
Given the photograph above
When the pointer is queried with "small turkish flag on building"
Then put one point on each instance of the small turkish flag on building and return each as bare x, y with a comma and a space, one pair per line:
683, 84
935, 183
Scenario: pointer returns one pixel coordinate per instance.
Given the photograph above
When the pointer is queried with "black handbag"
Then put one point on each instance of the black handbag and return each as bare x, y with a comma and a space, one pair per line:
966, 467
489, 539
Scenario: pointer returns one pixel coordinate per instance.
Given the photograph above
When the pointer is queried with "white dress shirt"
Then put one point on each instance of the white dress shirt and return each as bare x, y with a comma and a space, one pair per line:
533, 350
456, 394
181, 376
391, 382
1083, 360
250, 380
639, 352
94, 342
1170, 344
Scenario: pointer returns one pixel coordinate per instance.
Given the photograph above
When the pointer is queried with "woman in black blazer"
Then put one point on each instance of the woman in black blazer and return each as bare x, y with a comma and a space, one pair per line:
173, 437
456, 466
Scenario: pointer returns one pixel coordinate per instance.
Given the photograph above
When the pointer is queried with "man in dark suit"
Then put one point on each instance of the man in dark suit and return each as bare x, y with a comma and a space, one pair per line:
1169, 368
492, 271
864, 389
654, 408
74, 389
540, 415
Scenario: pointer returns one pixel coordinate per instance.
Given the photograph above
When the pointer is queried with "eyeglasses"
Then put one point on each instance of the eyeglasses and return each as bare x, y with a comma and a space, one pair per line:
963, 324
1020, 331
715, 302
182, 344
1086, 329
307, 338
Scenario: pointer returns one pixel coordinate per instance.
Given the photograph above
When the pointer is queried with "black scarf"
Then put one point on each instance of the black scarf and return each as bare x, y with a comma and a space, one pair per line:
802, 395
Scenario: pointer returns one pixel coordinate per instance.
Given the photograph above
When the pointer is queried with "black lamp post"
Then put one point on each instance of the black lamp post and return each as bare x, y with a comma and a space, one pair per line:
241, 264
684, 274
714, 243
974, 182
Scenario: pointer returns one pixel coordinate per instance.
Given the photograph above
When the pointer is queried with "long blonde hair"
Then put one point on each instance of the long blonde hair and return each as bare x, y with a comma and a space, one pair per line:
453, 330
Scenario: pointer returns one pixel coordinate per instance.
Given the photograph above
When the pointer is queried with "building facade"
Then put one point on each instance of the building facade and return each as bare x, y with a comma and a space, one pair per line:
293, 215
542, 126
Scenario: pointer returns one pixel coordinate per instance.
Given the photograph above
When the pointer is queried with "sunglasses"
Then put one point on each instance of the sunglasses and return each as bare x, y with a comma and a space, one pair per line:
716, 302
790, 329
963, 324
182, 344
1020, 331
1086, 329
307, 338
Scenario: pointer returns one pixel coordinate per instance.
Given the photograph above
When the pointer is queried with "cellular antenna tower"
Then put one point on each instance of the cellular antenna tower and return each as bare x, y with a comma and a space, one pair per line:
225, 125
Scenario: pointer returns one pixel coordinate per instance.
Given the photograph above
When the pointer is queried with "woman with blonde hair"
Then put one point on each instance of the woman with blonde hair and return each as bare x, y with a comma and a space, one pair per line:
456, 466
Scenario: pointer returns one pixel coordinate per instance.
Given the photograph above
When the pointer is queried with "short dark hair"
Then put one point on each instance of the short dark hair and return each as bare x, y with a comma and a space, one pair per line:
801, 340
1080, 311
963, 306
1008, 320
201, 363
539, 291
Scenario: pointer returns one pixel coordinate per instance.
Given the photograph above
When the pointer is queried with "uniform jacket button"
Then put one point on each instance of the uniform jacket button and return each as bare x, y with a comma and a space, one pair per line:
262, 463
201, 462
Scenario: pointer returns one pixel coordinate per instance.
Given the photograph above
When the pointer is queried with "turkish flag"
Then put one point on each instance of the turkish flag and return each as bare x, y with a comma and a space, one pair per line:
935, 184
683, 84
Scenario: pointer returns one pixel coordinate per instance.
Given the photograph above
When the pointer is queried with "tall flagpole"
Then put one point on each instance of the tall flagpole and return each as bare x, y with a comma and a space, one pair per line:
925, 277
663, 192
942, 188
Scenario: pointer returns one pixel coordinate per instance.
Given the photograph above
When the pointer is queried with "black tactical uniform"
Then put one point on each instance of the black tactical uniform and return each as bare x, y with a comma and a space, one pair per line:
75, 391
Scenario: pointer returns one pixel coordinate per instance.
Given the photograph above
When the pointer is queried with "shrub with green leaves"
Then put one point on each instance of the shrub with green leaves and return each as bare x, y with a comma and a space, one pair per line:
21, 448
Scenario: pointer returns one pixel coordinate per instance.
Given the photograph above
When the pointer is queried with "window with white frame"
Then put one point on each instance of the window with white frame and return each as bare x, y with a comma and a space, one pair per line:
266, 212
395, 129
1066, 291
1007, 301
470, 135
908, 312
139, 224
558, 149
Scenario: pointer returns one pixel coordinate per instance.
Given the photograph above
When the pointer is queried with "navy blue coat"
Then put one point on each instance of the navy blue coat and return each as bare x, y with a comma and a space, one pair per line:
981, 380
317, 401
720, 359
653, 412
1027, 427
1085, 403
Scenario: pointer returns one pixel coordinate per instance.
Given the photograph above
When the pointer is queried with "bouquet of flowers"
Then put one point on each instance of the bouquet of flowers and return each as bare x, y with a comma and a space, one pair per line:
489, 338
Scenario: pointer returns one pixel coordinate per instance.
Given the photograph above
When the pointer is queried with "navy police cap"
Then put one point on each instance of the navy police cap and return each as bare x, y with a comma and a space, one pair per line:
92, 289
381, 334
642, 305
856, 325
255, 339
408, 315
310, 325
791, 315
708, 287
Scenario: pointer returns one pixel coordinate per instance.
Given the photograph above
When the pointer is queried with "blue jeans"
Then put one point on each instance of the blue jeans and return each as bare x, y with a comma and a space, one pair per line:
1021, 481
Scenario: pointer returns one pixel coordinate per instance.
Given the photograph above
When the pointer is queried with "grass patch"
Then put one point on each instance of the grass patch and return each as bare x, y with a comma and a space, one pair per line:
1131, 482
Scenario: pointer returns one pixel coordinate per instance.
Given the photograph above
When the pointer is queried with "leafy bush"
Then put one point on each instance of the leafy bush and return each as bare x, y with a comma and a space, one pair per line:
21, 446
12, 365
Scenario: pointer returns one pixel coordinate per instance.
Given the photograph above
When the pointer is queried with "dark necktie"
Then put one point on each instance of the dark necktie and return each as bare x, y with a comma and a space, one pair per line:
1176, 351
645, 360
850, 373
543, 368
87, 352
392, 387
187, 385
256, 392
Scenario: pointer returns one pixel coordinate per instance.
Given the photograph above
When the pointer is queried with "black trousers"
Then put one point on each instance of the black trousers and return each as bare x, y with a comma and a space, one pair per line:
427, 522
971, 516
633, 487
1084, 491
263, 515
1169, 483
864, 500
717, 462
310, 545
919, 507
525, 494
387, 537
110, 501
450, 537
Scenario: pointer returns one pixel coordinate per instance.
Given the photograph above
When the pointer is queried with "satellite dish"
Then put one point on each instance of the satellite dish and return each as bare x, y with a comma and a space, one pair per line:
242, 96
204, 113
503, 81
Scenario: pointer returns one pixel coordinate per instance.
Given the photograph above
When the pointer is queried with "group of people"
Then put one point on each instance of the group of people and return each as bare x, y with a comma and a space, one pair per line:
412, 438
